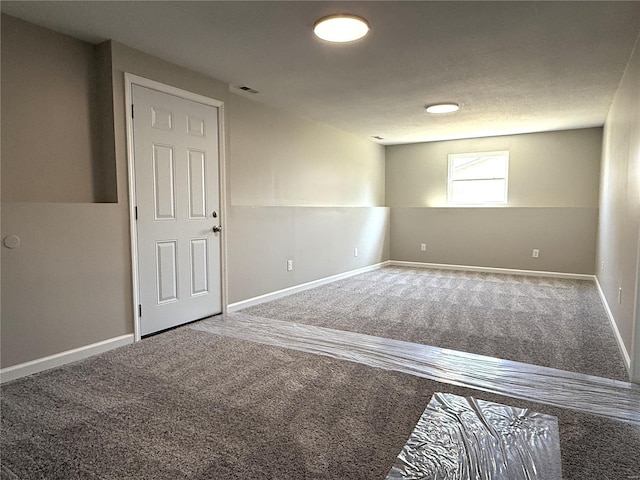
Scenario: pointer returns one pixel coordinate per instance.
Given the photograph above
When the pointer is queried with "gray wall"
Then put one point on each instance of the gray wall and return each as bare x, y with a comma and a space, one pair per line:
319, 240
295, 190
317, 165
497, 237
553, 204
303, 191
54, 96
276, 163
66, 285
69, 283
619, 226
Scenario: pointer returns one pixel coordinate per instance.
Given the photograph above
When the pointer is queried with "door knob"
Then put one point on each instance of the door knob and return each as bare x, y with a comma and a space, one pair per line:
217, 228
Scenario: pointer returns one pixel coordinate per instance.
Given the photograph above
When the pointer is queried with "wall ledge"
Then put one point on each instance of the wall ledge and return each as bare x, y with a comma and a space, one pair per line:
45, 363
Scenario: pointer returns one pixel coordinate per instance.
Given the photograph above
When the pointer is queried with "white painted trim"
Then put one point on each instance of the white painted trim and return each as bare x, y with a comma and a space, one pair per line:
508, 271
222, 192
178, 92
267, 297
130, 80
133, 232
614, 326
62, 358
635, 329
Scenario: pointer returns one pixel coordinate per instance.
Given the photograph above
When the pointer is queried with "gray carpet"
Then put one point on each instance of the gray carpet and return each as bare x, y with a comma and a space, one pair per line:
550, 322
560, 388
193, 405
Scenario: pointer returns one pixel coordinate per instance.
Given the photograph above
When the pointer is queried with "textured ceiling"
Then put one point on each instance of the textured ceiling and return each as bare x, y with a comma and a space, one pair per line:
514, 67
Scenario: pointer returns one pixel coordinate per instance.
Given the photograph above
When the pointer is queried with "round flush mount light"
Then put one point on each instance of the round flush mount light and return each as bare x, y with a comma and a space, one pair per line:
341, 28
442, 108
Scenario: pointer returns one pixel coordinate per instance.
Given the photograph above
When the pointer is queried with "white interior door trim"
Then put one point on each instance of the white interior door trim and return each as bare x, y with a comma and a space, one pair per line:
130, 80
635, 332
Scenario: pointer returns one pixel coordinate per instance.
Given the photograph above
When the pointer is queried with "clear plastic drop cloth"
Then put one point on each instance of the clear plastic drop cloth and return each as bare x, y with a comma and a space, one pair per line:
574, 391
460, 438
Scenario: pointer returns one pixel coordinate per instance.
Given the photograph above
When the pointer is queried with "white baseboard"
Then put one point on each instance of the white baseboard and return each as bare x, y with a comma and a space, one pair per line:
625, 354
52, 361
267, 297
509, 271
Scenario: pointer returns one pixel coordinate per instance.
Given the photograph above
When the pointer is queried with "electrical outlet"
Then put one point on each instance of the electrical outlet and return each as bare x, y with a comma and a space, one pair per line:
423, 247
355, 252
289, 265
536, 253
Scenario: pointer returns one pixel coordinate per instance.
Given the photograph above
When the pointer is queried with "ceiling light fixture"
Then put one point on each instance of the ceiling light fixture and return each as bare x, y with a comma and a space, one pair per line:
341, 28
443, 108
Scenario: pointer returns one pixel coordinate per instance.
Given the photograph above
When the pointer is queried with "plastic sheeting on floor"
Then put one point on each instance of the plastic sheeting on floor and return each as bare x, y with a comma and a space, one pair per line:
459, 438
574, 391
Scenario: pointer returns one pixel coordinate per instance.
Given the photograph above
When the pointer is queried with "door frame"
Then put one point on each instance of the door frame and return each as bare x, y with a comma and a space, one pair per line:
130, 80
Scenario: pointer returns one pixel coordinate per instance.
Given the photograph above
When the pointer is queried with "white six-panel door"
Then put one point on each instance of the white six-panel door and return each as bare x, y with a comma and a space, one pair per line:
176, 155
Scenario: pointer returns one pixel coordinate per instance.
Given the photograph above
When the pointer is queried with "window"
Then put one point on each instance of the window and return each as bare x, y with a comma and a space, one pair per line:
478, 178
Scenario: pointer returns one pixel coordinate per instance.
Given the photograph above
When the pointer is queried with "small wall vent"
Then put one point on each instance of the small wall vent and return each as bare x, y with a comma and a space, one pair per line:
244, 88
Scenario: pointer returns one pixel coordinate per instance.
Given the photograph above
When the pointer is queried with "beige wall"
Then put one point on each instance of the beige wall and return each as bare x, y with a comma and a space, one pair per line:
66, 285
319, 240
269, 157
552, 206
69, 283
549, 169
317, 165
51, 90
497, 237
619, 226
303, 191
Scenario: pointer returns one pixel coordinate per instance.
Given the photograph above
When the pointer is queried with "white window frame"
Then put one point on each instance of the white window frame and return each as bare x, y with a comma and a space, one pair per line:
451, 180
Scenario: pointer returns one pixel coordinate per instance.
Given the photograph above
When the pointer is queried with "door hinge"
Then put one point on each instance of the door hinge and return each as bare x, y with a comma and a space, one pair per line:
132, 111
139, 310
136, 212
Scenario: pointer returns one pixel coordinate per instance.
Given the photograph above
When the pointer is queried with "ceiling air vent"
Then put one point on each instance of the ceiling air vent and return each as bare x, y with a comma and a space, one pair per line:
246, 89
